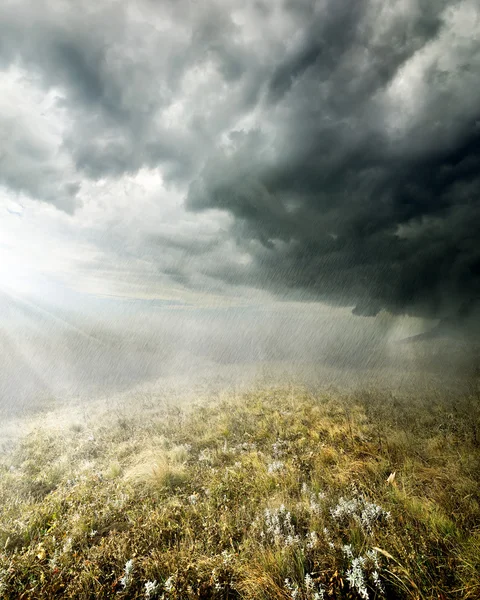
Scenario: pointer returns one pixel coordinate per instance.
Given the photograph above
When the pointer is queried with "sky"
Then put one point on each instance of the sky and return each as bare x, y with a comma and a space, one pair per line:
212, 152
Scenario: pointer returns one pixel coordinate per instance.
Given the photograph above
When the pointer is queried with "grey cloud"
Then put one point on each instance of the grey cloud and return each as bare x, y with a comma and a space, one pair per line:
30, 163
120, 75
341, 138
328, 206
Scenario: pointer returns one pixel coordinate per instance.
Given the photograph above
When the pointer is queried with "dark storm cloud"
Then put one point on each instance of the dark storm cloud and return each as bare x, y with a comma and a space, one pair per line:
351, 208
120, 67
343, 138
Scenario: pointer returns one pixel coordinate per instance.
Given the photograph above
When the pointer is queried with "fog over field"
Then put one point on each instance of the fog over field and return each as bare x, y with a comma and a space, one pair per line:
192, 185
67, 351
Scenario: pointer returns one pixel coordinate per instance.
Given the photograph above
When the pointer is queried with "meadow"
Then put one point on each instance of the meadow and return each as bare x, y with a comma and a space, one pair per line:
275, 492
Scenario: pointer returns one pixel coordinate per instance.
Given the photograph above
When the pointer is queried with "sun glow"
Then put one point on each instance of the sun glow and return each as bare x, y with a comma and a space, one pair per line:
14, 274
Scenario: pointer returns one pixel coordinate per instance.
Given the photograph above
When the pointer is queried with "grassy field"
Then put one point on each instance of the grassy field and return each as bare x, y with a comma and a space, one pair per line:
274, 493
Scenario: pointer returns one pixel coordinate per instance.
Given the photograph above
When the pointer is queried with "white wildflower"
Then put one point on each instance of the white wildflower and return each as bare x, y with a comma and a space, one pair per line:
356, 577
372, 513
345, 508
275, 466
169, 584
316, 502
378, 584
279, 528
205, 456
279, 448
127, 573
151, 588
365, 513
309, 585
313, 591
312, 540
247, 446
293, 589
372, 555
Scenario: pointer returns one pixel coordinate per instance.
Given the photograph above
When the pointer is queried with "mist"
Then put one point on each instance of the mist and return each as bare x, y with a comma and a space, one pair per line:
219, 190
97, 347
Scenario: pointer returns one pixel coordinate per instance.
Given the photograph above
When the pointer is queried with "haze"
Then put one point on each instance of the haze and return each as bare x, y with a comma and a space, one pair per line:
188, 185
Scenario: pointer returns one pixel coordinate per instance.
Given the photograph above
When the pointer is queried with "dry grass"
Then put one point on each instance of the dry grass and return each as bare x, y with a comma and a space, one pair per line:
276, 493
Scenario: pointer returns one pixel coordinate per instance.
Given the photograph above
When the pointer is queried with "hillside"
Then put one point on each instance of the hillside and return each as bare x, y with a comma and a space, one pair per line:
274, 493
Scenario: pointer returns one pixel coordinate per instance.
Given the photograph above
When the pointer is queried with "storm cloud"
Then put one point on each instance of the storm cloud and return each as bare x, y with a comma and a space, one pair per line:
341, 140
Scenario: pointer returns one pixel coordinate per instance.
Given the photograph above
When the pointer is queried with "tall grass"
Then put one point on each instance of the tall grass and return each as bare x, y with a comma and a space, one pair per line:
275, 493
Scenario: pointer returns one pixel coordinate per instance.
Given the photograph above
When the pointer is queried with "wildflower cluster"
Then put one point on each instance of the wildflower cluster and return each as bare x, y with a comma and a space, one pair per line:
315, 499
276, 466
205, 456
362, 571
279, 448
279, 528
366, 514
309, 590
240, 448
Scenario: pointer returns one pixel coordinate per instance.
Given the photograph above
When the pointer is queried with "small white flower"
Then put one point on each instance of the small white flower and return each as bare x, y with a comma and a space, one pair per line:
276, 466
151, 588
169, 585
314, 591
308, 582
205, 456
315, 502
278, 448
127, 573
373, 556
377, 582
293, 589
356, 577
313, 540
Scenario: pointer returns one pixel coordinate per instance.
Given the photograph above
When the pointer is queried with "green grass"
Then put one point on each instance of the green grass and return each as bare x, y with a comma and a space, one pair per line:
275, 493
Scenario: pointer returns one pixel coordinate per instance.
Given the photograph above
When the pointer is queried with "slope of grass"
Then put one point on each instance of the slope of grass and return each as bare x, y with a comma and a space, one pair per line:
277, 493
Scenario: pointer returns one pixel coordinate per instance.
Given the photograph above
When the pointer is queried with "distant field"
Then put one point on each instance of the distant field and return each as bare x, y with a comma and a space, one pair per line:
277, 492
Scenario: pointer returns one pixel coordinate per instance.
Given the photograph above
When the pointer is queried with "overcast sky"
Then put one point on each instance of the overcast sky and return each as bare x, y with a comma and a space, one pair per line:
218, 150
